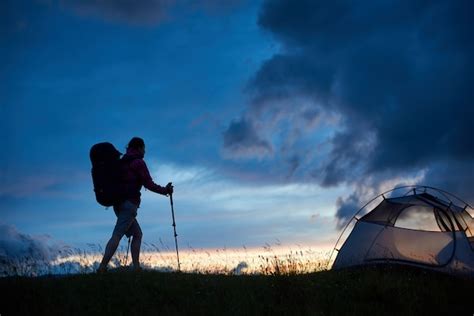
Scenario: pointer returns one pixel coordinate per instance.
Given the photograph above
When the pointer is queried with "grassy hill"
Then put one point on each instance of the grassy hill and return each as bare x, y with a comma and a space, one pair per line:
368, 291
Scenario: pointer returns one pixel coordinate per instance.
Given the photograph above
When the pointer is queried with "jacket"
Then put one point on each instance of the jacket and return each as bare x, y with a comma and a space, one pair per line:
136, 175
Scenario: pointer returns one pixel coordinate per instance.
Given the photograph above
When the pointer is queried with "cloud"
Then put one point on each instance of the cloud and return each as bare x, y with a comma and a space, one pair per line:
20, 252
253, 213
397, 77
51, 183
241, 140
26, 186
134, 12
455, 177
241, 268
365, 191
346, 208
14, 244
145, 12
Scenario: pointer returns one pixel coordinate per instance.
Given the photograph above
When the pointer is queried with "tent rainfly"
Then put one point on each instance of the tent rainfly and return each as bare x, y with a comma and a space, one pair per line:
421, 228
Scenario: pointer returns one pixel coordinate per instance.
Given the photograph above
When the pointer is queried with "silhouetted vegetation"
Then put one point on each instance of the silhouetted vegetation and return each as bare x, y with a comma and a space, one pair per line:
367, 291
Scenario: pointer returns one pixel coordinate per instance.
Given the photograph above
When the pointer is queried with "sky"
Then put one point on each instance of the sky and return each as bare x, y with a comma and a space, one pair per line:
275, 120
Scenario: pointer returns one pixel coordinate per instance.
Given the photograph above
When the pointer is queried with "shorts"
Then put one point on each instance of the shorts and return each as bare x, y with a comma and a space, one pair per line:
126, 220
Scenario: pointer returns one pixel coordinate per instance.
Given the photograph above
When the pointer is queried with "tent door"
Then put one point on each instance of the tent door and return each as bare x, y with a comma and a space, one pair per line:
423, 247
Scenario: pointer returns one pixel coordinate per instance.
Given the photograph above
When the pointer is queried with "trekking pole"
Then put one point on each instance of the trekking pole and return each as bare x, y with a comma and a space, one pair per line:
174, 228
128, 247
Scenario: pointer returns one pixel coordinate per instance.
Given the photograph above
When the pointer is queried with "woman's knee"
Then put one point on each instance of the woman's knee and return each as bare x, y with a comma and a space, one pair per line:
115, 239
138, 233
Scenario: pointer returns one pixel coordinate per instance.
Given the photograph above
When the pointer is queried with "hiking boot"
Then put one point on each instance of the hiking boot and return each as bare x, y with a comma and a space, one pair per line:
101, 270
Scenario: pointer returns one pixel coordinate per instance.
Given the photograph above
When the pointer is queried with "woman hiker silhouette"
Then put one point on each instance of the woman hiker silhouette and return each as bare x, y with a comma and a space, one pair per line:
136, 175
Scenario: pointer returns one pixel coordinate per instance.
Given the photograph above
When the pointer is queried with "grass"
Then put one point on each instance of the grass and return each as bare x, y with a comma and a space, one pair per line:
267, 260
388, 290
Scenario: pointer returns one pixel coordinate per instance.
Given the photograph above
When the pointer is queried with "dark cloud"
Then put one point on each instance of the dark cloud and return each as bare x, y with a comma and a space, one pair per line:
241, 140
455, 177
346, 208
145, 12
348, 153
397, 73
134, 12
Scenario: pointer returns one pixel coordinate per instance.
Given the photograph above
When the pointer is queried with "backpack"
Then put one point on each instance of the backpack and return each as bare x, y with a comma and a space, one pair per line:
107, 174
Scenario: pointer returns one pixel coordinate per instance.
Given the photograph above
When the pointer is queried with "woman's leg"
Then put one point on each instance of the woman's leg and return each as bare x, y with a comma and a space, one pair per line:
136, 243
110, 249
126, 213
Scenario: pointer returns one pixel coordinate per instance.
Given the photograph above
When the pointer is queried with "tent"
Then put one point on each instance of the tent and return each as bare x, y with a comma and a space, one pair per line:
423, 227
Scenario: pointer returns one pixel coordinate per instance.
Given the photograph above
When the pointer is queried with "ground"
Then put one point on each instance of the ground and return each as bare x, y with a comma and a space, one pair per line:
367, 291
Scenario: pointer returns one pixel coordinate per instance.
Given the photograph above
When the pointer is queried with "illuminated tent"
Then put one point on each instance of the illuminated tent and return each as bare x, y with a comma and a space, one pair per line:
418, 228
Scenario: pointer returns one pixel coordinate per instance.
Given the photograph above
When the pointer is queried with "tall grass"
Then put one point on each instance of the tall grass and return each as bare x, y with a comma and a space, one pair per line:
267, 260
